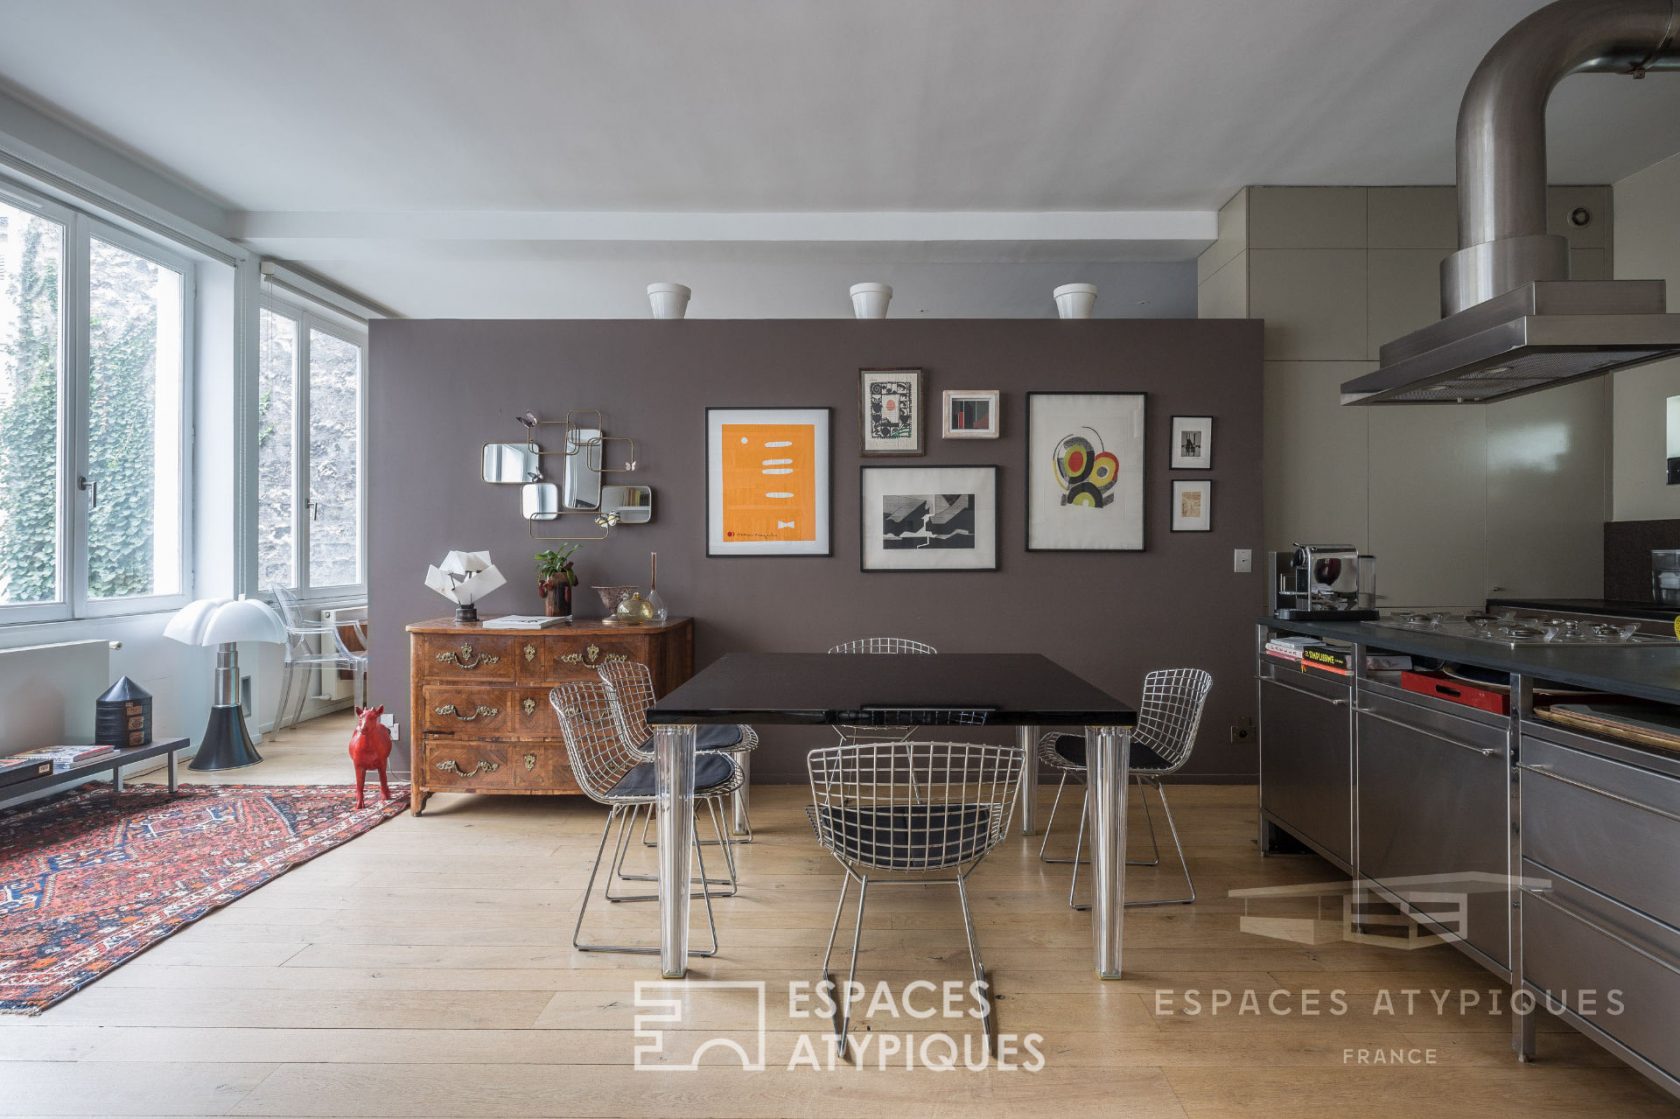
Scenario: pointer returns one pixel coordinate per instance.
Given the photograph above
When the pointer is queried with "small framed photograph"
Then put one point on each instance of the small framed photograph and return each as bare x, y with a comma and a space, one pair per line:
972, 414
1192, 509
1192, 443
892, 411
929, 518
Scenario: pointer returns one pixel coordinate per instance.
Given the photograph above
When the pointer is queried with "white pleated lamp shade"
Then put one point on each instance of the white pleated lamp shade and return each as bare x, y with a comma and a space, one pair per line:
211, 621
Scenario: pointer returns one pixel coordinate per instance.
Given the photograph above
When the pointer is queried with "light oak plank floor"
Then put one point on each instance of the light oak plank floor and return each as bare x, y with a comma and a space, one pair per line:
426, 969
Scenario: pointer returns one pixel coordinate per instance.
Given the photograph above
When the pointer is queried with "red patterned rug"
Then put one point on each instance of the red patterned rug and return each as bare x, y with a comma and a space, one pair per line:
90, 880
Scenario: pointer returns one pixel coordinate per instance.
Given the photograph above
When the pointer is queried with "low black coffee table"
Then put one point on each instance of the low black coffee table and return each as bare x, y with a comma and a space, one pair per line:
112, 763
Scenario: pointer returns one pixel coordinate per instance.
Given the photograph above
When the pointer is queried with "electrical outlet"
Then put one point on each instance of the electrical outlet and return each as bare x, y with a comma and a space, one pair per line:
1242, 561
1240, 733
390, 722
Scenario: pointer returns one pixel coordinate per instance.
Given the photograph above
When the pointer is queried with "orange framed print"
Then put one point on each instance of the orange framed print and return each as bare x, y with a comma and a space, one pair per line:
768, 482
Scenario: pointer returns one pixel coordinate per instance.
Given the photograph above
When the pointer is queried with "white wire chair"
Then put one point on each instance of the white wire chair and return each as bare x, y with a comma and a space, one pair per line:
1168, 718
877, 646
630, 687
910, 813
305, 650
610, 773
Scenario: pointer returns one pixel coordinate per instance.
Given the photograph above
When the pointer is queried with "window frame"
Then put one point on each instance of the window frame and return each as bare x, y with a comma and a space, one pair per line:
75, 374
307, 317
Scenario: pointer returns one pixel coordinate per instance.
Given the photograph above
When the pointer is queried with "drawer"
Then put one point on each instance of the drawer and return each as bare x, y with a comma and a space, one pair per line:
560, 660
479, 712
1578, 956
1612, 827
467, 659
1306, 762
470, 766
542, 766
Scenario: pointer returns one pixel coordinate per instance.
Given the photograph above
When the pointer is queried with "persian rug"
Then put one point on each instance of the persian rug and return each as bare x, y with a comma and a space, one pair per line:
90, 880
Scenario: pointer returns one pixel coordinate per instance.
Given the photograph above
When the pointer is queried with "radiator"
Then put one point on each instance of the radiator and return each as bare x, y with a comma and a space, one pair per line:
335, 684
48, 691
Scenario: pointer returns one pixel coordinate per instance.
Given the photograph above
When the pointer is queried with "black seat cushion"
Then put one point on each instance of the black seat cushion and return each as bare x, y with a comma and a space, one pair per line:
710, 771
1072, 747
906, 837
711, 736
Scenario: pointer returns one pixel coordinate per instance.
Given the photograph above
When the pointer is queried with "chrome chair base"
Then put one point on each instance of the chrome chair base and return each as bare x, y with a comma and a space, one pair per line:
621, 814
1140, 903
1154, 847
723, 840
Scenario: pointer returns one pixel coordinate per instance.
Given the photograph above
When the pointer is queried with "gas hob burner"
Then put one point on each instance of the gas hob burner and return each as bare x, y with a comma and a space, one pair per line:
1523, 633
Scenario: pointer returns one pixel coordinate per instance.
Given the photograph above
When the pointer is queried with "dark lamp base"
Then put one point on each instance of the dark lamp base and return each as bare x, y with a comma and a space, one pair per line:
227, 744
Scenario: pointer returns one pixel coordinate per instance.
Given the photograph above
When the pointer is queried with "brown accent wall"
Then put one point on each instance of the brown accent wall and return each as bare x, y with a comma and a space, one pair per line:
442, 388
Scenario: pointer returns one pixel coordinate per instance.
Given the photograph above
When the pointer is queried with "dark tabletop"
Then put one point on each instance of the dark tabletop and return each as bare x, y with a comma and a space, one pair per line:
1009, 689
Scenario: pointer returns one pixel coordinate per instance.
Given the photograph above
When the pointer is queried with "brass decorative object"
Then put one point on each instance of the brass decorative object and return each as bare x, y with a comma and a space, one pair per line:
611, 596
467, 659
592, 656
479, 712
634, 610
528, 705
530, 652
449, 765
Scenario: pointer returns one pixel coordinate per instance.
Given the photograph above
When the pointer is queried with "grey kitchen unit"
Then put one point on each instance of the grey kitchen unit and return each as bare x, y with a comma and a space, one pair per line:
1549, 856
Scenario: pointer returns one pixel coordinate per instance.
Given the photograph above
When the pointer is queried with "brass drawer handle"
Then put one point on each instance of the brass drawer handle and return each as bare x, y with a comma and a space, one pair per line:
592, 656
466, 658
450, 765
479, 712
528, 705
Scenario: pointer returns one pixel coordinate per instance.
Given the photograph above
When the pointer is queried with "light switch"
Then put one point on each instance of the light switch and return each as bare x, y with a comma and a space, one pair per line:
1242, 561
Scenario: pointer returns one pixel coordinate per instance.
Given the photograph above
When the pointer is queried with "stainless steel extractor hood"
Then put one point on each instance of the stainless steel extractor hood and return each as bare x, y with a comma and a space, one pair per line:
1513, 322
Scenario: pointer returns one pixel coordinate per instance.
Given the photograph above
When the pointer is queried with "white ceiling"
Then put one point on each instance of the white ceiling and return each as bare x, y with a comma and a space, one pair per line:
312, 115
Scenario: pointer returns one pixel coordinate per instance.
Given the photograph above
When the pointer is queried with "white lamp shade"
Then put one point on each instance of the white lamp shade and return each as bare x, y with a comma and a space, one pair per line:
211, 621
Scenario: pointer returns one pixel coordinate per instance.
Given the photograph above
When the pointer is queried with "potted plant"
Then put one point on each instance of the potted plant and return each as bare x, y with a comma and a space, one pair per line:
555, 580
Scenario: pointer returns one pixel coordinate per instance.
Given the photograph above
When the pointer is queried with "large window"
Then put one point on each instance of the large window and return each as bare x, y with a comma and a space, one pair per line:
94, 334
309, 452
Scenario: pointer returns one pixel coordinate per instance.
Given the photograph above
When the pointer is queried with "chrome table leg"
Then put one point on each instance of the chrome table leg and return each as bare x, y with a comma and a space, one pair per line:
1108, 757
738, 799
1027, 738
673, 771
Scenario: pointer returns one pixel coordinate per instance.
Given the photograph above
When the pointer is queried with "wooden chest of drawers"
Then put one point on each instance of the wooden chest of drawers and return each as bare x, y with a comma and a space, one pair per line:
478, 698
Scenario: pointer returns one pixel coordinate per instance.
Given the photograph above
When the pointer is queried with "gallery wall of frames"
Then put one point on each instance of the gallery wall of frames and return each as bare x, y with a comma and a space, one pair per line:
1070, 488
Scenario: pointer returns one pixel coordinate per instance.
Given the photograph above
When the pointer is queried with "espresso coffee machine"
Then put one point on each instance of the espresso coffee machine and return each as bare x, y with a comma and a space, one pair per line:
1323, 583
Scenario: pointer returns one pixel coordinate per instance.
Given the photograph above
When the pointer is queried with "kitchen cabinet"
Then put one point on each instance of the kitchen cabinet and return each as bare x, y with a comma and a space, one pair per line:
1433, 801
1306, 759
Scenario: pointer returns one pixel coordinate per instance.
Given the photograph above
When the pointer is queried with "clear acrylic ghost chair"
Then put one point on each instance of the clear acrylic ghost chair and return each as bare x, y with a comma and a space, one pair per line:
876, 646
630, 687
309, 648
355, 659
1173, 699
610, 773
910, 813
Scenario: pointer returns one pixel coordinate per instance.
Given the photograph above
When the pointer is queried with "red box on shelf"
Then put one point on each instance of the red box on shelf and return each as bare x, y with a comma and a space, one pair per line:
1457, 691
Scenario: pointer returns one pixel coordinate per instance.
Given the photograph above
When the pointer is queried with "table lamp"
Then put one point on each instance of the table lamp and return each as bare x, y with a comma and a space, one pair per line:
223, 623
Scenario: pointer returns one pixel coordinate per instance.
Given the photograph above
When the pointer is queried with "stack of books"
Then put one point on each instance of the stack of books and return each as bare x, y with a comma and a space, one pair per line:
525, 621
14, 771
65, 757
1311, 654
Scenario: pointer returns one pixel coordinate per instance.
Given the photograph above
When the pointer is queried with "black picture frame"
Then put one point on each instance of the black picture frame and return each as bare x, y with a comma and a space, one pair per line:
1172, 518
1141, 494
918, 412
865, 509
1205, 462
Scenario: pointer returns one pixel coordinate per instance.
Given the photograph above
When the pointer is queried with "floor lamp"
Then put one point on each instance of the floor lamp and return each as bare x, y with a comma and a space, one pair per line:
224, 623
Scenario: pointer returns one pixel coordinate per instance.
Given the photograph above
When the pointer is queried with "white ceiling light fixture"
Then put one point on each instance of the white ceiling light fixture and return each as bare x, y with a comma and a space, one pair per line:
1075, 301
669, 301
869, 301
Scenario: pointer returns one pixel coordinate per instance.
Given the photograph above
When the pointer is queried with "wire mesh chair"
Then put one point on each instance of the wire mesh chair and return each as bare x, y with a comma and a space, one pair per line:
305, 650
910, 813
630, 688
610, 773
1171, 712
877, 646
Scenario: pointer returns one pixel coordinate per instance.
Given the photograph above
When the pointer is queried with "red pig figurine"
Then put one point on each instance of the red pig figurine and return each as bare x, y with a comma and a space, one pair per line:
370, 748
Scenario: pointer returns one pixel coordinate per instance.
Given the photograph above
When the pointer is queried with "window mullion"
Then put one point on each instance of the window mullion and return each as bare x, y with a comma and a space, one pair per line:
302, 501
77, 379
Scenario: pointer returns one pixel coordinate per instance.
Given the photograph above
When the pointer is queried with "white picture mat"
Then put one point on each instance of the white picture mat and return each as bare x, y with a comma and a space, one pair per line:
912, 444
881, 481
1203, 523
1118, 419
716, 419
1181, 461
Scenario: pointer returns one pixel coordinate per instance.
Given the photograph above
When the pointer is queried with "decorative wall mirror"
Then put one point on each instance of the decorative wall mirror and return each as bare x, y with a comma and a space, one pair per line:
633, 504
511, 464
540, 501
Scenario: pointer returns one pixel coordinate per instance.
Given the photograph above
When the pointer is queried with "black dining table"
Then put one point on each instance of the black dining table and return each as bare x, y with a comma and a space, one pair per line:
1022, 690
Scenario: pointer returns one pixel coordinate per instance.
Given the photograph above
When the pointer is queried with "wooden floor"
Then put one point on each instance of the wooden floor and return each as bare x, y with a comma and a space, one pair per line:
426, 969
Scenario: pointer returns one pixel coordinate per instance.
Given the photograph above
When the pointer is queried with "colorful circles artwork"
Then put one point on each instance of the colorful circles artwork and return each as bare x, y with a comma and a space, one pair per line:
1086, 474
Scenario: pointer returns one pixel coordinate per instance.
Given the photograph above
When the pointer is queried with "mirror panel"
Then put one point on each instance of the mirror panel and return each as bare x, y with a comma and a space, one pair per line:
583, 469
633, 504
511, 464
540, 501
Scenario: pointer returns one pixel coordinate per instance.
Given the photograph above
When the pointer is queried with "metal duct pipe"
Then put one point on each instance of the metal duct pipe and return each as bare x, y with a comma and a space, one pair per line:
1502, 135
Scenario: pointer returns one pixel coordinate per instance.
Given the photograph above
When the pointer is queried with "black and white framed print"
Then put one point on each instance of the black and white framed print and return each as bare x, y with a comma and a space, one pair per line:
892, 411
767, 482
1085, 471
972, 414
1192, 505
1192, 443
929, 518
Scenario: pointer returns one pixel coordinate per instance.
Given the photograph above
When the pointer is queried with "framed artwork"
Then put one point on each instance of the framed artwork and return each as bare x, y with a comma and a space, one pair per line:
892, 411
1192, 505
767, 481
972, 414
1085, 471
929, 518
1192, 443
